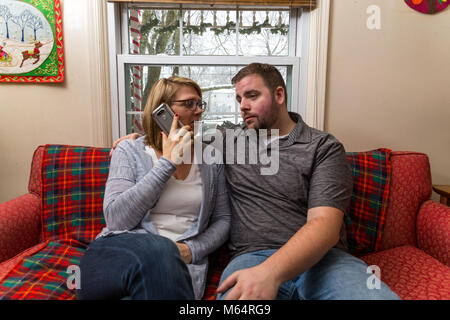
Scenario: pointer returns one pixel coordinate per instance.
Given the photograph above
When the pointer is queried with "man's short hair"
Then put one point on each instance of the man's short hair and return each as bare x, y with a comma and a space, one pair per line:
271, 76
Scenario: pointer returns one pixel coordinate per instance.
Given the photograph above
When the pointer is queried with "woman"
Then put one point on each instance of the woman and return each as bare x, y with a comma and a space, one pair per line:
163, 217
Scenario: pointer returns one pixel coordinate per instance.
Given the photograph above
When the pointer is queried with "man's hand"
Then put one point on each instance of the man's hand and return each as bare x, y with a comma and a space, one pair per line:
255, 283
185, 252
301, 252
132, 136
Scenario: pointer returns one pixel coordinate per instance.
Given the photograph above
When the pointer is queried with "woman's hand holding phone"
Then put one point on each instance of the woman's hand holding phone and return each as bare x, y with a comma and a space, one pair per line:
178, 143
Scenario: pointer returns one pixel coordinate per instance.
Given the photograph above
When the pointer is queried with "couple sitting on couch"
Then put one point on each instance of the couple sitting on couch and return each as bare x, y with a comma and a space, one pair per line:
165, 213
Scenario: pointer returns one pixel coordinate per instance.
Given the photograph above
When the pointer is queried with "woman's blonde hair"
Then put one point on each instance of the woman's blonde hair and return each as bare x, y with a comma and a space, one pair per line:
163, 91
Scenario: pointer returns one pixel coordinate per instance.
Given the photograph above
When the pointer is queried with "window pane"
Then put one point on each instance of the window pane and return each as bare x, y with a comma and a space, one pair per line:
264, 33
209, 32
215, 82
154, 31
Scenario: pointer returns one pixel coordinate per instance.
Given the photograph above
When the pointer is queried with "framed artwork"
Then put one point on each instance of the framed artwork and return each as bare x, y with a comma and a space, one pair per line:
428, 6
31, 41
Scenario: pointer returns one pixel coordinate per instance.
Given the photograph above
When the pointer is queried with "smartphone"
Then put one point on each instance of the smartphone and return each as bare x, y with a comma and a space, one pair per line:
163, 116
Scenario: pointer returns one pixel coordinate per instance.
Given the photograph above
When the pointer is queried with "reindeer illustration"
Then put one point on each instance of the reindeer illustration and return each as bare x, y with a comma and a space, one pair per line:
32, 55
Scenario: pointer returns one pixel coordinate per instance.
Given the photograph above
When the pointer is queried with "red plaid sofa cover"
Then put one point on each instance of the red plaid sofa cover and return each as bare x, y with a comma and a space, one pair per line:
72, 188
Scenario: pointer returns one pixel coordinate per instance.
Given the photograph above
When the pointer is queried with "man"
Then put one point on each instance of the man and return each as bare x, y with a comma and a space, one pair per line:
287, 234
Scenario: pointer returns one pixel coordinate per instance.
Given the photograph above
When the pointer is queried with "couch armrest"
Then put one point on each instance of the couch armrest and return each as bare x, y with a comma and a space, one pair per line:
433, 230
20, 225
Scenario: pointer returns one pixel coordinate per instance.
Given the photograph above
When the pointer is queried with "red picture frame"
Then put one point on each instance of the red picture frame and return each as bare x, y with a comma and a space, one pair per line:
51, 9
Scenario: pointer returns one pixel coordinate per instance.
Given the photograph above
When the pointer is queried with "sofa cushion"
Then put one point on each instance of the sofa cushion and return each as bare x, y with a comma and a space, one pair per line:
218, 260
73, 184
41, 271
410, 187
412, 274
43, 275
6, 266
368, 204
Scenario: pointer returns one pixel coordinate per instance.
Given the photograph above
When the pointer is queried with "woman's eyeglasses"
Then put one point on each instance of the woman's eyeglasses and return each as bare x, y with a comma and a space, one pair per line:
191, 104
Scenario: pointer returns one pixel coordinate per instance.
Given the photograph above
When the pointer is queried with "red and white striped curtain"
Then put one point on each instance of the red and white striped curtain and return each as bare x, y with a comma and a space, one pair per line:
137, 87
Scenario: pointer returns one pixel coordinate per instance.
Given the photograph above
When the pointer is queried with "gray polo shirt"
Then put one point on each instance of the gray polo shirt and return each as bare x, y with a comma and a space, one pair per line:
269, 209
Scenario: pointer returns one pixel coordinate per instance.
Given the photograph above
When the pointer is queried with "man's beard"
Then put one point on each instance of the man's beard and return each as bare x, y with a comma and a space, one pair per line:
268, 120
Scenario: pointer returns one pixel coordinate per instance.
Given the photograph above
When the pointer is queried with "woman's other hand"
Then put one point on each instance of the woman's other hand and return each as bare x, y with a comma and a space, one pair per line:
185, 252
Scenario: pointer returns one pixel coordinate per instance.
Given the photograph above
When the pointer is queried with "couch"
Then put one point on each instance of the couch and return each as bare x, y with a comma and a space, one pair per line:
391, 224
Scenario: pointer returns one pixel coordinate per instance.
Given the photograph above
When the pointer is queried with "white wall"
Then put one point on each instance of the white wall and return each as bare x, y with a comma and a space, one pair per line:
390, 87
74, 112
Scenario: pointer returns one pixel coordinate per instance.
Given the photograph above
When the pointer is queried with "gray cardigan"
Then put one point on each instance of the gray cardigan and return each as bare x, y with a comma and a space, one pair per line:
133, 188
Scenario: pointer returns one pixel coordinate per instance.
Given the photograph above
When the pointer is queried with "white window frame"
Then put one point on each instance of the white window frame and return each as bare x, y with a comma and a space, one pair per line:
308, 63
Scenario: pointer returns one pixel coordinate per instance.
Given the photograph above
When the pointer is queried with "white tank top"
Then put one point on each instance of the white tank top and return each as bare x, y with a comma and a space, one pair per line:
179, 204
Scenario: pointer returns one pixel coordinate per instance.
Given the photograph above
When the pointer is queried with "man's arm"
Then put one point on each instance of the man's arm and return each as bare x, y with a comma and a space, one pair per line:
132, 136
302, 251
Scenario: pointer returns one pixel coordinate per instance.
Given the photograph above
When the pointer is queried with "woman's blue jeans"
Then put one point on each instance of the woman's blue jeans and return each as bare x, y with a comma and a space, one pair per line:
337, 276
140, 266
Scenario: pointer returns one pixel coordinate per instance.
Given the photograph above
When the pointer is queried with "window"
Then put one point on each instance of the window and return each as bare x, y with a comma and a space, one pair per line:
151, 41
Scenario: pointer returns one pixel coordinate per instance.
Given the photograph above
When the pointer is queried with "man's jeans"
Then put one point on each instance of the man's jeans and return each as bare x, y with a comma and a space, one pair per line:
338, 276
143, 266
